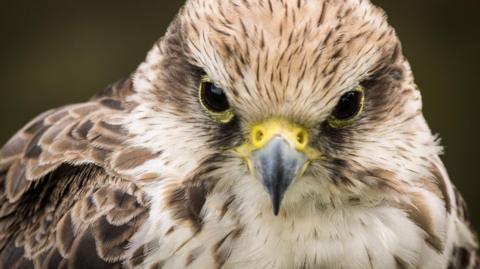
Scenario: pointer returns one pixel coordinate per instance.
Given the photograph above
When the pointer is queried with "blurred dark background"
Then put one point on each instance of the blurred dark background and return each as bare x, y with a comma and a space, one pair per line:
58, 52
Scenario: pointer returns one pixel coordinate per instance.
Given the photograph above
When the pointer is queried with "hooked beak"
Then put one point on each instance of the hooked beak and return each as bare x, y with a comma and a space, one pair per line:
277, 154
277, 165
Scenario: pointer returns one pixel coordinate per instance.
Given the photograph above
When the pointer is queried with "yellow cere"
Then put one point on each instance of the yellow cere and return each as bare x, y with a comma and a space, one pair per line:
262, 133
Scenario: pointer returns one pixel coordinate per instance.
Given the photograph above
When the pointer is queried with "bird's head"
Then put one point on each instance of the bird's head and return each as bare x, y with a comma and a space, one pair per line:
289, 104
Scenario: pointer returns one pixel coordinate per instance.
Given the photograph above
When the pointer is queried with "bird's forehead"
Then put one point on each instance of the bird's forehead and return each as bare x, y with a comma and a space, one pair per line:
277, 51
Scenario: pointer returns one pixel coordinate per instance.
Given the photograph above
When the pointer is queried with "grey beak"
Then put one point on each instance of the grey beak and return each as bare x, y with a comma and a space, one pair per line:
277, 164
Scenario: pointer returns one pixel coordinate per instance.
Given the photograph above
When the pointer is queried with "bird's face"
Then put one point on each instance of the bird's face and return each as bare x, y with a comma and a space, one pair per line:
303, 100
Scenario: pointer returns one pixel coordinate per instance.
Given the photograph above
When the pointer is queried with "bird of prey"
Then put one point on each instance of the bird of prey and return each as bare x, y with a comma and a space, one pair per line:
256, 134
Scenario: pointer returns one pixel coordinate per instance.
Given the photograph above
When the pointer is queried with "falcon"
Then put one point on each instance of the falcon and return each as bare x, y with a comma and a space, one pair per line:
256, 134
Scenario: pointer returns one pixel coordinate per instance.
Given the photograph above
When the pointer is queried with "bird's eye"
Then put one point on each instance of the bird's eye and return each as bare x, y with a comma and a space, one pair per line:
214, 101
348, 109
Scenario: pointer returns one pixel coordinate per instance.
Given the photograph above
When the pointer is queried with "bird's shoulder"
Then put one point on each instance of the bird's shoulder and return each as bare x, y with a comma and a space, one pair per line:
63, 198
80, 133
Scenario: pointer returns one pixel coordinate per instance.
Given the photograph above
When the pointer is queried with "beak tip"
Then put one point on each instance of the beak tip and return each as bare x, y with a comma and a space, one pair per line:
276, 211
276, 201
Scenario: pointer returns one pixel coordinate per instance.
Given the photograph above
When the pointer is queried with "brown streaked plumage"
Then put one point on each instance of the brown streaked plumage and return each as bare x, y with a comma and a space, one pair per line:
145, 175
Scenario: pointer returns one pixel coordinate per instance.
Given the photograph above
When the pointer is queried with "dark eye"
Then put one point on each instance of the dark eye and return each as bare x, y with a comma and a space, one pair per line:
214, 98
215, 101
348, 108
349, 105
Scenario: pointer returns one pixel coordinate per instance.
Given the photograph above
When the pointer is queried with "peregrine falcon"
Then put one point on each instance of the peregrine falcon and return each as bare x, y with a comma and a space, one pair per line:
256, 134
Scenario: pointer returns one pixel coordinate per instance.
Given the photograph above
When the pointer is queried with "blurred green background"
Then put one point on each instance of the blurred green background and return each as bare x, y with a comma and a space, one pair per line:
58, 52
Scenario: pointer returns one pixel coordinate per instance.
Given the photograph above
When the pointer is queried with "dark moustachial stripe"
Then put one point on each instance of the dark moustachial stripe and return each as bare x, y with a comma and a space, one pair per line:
186, 202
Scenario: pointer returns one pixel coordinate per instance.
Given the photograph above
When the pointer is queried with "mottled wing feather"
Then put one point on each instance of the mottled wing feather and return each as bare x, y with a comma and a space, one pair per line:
62, 203
118, 91
84, 220
77, 134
